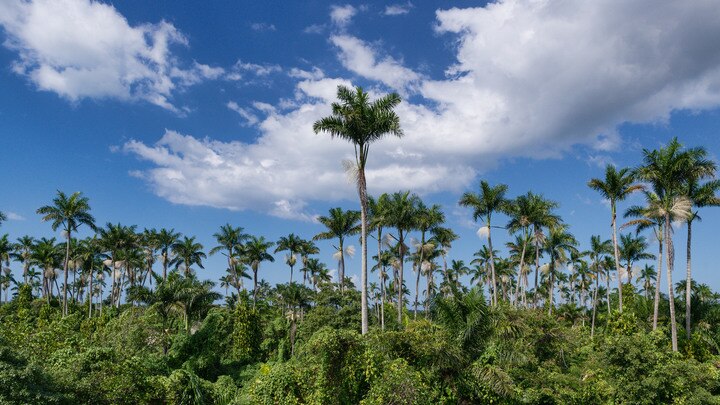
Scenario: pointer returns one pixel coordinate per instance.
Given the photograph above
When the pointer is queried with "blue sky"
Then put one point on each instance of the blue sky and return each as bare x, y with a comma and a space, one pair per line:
183, 115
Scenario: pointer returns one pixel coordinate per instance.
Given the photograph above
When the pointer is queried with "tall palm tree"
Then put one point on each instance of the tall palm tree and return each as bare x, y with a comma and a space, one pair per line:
484, 204
340, 224
255, 252
617, 186
228, 238
307, 248
521, 210
701, 195
6, 251
558, 244
379, 211
45, 254
361, 122
401, 216
517, 250
293, 244
667, 169
188, 252
68, 213
645, 217
116, 240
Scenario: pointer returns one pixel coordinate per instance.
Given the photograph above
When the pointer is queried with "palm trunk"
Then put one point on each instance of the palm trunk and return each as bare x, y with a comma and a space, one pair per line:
656, 305
400, 279
552, 285
362, 189
688, 280
255, 271
594, 309
341, 270
90, 293
165, 264
520, 270
671, 294
65, 270
492, 266
417, 288
291, 270
382, 302
607, 289
537, 266
617, 257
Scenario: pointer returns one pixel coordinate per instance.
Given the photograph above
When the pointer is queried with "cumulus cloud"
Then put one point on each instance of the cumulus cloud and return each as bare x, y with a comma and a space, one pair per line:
98, 55
531, 79
262, 27
358, 57
342, 15
246, 114
398, 9
12, 216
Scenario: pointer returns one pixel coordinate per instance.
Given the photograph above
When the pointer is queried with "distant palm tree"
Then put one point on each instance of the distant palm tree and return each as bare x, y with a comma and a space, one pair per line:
443, 238
166, 238
307, 248
340, 224
68, 213
188, 252
616, 186
3, 217
401, 216
23, 249
426, 219
293, 244
228, 238
633, 249
558, 244
115, 239
647, 276
6, 250
598, 250
489, 201
361, 122
47, 256
541, 216
255, 252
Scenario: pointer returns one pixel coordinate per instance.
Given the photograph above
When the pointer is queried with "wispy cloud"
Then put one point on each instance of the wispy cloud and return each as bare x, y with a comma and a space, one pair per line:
398, 9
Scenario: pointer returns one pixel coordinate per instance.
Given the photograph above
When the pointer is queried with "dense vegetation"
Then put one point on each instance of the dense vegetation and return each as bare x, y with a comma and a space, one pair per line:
124, 316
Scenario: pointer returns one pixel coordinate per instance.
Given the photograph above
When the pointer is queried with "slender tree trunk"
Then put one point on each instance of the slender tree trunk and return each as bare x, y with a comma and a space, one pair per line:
594, 307
607, 289
255, 270
400, 279
341, 270
417, 288
671, 294
492, 265
362, 189
688, 280
537, 265
65, 270
291, 270
656, 304
165, 264
382, 302
520, 271
617, 257
552, 285
90, 293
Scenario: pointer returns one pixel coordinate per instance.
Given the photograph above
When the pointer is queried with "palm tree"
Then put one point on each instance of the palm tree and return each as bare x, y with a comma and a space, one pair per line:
598, 249
541, 216
647, 276
166, 238
6, 250
3, 217
617, 185
228, 238
520, 210
255, 252
701, 195
667, 169
293, 244
517, 250
68, 213
23, 249
45, 254
558, 244
361, 122
426, 219
488, 201
307, 248
116, 239
633, 249
340, 224
188, 252
443, 238
650, 217
401, 216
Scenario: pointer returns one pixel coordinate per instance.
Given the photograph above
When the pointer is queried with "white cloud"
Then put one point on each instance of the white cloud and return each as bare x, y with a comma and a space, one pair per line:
262, 27
314, 29
250, 118
532, 78
12, 216
98, 55
398, 9
360, 58
315, 74
256, 69
342, 15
